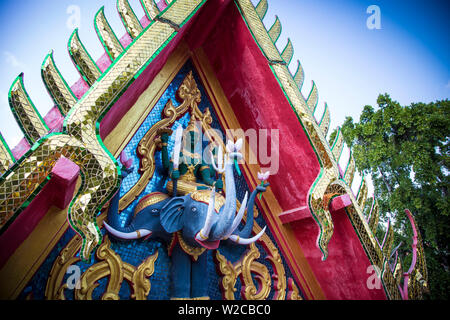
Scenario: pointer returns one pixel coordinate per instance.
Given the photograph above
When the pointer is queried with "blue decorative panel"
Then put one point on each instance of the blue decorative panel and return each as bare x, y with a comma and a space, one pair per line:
136, 251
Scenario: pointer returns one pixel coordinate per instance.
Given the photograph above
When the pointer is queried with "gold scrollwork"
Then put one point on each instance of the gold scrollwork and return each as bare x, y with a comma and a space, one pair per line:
189, 97
246, 266
110, 265
293, 293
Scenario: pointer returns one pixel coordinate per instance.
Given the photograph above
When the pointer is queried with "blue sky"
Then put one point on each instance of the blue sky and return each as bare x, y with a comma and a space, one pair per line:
408, 57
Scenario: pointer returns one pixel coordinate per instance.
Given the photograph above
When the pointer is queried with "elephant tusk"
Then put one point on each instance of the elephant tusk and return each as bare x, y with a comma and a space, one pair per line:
245, 241
204, 232
127, 235
234, 156
219, 167
239, 216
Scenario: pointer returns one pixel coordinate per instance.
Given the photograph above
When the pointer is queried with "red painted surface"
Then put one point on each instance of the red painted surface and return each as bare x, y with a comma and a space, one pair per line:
79, 88
295, 215
340, 202
63, 181
161, 4
301, 213
58, 191
54, 119
343, 275
103, 62
258, 102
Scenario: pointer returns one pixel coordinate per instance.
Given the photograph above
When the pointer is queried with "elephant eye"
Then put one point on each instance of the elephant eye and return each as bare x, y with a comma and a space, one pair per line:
194, 209
154, 210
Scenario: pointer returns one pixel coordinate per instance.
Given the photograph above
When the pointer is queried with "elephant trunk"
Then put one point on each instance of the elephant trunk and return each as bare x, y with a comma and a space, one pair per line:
204, 232
247, 230
113, 224
225, 222
242, 237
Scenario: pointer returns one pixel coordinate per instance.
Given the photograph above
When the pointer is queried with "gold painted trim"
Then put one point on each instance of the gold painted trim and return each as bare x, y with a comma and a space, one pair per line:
194, 252
122, 133
151, 8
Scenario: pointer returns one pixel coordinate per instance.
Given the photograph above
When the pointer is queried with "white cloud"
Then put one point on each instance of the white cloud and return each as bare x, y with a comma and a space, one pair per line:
12, 60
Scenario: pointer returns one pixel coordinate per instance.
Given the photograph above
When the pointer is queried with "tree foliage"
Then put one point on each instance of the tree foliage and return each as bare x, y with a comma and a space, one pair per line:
406, 151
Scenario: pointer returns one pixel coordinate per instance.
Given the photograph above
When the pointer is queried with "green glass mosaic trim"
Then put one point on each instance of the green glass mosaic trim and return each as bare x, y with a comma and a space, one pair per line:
56, 86
107, 37
129, 19
26, 114
84, 63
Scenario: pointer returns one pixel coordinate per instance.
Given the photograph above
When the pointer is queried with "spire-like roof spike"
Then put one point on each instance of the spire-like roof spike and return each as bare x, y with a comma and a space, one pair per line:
324, 123
129, 19
261, 8
299, 76
374, 215
362, 194
313, 98
107, 37
151, 8
56, 86
288, 52
275, 30
338, 145
84, 63
6, 156
26, 114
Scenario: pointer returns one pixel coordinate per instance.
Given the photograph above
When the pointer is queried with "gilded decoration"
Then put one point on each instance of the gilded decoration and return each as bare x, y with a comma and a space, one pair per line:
110, 266
129, 19
6, 157
28, 118
246, 266
56, 86
108, 38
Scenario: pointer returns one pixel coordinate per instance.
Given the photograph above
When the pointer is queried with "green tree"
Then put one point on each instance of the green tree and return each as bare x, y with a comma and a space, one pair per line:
406, 151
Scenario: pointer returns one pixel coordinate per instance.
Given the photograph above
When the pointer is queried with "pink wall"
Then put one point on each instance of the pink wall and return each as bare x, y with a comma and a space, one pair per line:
258, 102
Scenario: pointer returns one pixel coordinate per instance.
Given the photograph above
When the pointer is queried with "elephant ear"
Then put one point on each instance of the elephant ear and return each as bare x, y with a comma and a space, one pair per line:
172, 214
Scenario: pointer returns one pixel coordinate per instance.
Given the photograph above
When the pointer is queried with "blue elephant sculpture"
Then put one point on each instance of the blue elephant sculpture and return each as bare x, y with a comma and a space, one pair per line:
190, 225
